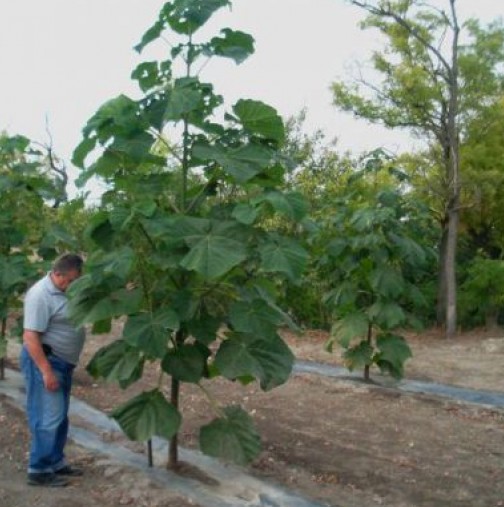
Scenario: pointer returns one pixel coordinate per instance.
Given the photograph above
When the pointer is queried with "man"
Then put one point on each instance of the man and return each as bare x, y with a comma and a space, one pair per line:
51, 349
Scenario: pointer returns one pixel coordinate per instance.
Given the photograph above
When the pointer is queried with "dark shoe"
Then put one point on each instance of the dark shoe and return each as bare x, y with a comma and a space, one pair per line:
47, 479
69, 471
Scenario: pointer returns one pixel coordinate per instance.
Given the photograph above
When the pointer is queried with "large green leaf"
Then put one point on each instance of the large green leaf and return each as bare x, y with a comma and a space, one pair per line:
100, 230
117, 263
204, 328
186, 363
268, 360
233, 44
152, 33
117, 303
291, 204
410, 250
214, 249
232, 437
243, 163
182, 99
343, 295
359, 355
260, 119
160, 227
117, 362
90, 304
146, 415
256, 318
12, 273
131, 150
245, 213
387, 281
152, 74
284, 255
267, 290
387, 314
353, 325
187, 16
118, 115
363, 219
82, 151
150, 332
337, 247
393, 353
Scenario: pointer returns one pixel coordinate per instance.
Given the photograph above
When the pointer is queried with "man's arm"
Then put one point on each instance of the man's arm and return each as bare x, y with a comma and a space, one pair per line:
33, 345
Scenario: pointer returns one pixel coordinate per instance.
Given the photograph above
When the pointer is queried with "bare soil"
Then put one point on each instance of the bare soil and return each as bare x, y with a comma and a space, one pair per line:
340, 442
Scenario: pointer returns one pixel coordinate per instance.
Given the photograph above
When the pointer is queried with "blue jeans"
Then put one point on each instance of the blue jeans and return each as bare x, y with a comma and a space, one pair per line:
47, 413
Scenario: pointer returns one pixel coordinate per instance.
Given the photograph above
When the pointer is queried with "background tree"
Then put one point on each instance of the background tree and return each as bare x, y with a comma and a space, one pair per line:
432, 84
375, 261
27, 191
482, 158
320, 174
181, 245
483, 292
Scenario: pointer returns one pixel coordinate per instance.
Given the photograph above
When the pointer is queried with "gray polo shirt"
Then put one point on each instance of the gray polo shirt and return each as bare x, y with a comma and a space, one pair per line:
45, 311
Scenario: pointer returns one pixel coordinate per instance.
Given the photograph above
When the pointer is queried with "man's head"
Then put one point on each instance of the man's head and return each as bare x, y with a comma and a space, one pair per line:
65, 270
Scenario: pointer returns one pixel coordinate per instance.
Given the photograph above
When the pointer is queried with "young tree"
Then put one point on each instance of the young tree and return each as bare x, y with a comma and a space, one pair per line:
374, 261
182, 251
433, 83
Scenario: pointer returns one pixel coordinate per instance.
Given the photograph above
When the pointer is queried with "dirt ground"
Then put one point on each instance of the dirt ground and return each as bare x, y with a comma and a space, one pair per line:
337, 441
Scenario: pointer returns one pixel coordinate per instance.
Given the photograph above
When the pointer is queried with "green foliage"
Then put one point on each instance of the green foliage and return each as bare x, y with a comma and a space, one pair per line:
482, 293
482, 159
375, 264
181, 249
416, 68
318, 176
146, 415
435, 76
26, 232
231, 437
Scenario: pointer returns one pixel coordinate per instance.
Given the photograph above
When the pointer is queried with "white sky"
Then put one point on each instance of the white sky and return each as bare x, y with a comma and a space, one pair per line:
61, 59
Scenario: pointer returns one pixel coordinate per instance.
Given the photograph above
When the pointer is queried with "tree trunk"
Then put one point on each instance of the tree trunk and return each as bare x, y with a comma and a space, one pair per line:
453, 169
3, 337
173, 450
367, 367
441, 289
174, 399
450, 267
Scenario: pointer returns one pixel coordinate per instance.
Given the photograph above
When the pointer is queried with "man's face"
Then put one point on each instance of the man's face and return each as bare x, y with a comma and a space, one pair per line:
63, 280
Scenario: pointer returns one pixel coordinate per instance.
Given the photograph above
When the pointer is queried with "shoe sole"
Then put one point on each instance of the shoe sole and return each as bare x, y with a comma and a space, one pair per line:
55, 483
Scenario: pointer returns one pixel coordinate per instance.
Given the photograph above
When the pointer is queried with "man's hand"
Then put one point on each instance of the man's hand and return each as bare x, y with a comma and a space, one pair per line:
50, 380
33, 343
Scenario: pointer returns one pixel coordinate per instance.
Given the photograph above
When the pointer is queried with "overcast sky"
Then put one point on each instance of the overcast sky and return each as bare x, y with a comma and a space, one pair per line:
61, 59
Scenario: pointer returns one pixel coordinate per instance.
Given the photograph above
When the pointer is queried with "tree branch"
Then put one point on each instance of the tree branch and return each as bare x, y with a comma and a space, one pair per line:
389, 13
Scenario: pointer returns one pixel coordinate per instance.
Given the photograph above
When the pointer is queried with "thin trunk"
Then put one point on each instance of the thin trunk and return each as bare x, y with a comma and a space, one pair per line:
173, 450
451, 282
172, 464
441, 290
367, 368
185, 138
150, 457
3, 335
